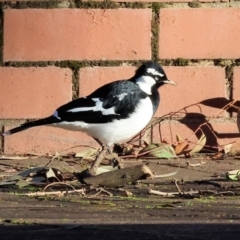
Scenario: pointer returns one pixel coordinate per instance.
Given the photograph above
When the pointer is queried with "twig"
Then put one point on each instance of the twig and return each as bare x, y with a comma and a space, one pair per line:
166, 175
171, 194
225, 192
58, 183
205, 123
178, 188
61, 193
51, 159
195, 164
101, 190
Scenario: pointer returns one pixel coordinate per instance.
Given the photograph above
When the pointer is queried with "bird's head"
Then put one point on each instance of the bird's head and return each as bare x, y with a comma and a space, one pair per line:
151, 75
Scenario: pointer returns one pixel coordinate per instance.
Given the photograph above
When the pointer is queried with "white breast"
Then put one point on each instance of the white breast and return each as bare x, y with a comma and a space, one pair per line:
118, 130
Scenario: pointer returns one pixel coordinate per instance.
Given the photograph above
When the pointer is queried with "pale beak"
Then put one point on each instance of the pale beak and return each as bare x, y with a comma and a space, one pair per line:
170, 82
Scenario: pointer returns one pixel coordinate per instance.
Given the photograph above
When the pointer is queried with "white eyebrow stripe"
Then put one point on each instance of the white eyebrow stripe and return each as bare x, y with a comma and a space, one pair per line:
154, 72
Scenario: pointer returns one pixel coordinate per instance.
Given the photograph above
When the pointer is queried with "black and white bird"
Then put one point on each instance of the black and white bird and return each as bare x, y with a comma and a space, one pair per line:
113, 113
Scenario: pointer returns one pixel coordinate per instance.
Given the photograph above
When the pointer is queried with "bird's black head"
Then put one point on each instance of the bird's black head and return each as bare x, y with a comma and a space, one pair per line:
151, 75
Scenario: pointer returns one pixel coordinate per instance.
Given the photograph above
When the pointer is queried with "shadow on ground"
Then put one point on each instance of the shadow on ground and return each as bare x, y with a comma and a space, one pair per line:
122, 231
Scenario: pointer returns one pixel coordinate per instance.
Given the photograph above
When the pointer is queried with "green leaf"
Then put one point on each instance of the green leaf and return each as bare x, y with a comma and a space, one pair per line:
22, 183
233, 175
200, 144
163, 150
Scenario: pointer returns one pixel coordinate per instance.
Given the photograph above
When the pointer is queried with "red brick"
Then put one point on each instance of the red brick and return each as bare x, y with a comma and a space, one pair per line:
199, 33
236, 83
227, 132
195, 84
77, 34
92, 78
33, 92
46, 140
236, 88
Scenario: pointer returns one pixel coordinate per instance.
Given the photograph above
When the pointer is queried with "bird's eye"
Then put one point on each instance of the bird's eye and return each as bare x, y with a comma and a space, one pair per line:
156, 78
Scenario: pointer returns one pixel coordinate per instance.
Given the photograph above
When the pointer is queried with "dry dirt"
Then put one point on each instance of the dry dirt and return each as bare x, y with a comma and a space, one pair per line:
214, 214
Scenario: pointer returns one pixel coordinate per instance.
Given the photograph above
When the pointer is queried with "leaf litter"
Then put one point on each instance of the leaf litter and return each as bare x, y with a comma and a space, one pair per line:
44, 176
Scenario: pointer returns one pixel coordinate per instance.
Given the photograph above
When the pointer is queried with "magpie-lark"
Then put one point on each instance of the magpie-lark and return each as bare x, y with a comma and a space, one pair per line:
114, 112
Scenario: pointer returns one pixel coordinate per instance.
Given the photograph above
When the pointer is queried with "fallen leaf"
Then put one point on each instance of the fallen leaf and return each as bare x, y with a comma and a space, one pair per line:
179, 138
103, 169
160, 150
217, 156
24, 173
200, 144
50, 173
21, 183
129, 194
227, 148
181, 147
86, 153
233, 175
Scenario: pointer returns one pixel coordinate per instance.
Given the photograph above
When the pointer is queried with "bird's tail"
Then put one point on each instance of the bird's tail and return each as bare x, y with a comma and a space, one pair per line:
44, 121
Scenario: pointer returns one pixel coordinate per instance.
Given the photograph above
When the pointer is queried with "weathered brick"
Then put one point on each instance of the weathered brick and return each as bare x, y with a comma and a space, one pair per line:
236, 90
92, 78
43, 140
226, 132
33, 92
195, 84
199, 33
77, 34
236, 83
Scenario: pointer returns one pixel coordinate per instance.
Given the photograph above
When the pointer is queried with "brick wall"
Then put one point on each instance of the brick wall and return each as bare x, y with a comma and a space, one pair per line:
54, 51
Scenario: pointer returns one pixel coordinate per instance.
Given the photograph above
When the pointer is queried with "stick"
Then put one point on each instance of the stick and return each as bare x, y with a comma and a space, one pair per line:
61, 193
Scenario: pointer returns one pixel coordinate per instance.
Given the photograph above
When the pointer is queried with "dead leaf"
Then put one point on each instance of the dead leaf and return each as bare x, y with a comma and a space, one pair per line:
50, 173
200, 144
24, 173
129, 194
217, 156
227, 148
86, 153
179, 138
103, 169
181, 147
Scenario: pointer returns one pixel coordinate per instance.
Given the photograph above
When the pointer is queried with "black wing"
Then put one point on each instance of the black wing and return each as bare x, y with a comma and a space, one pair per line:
121, 96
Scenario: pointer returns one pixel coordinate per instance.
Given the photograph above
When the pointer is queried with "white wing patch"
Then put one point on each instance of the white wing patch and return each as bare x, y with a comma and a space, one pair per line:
154, 72
121, 96
55, 114
96, 108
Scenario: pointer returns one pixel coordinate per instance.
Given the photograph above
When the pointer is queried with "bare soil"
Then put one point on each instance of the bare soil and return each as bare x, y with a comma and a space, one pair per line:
212, 214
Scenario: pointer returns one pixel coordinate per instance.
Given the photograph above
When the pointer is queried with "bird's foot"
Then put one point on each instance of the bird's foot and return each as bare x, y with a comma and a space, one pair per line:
114, 159
104, 153
93, 169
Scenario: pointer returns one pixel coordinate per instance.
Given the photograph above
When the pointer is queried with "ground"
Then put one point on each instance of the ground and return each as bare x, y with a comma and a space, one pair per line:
207, 209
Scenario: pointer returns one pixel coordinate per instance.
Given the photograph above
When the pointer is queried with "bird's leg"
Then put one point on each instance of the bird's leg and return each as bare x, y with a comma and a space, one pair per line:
93, 169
